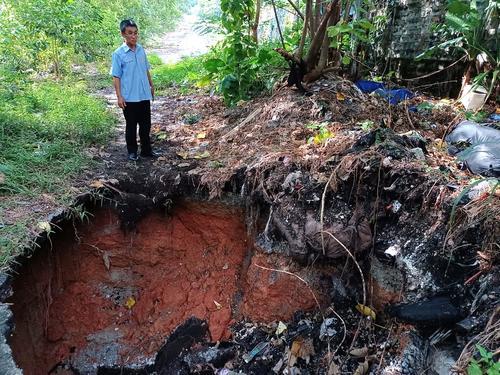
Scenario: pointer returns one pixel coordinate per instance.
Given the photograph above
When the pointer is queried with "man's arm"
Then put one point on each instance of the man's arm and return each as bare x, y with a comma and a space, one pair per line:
121, 101
151, 84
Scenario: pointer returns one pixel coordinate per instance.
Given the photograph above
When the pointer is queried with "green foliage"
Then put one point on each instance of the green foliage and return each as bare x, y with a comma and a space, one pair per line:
343, 32
50, 35
479, 116
367, 125
321, 133
467, 31
235, 69
44, 128
188, 73
154, 60
209, 17
485, 365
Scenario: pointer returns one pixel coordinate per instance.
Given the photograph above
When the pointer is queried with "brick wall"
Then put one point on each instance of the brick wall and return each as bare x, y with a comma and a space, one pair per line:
410, 26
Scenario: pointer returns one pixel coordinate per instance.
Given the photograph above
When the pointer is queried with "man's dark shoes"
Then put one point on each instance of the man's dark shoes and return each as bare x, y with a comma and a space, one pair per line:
133, 156
151, 154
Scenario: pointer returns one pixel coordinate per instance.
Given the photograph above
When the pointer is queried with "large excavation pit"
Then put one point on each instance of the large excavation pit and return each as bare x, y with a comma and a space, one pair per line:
107, 298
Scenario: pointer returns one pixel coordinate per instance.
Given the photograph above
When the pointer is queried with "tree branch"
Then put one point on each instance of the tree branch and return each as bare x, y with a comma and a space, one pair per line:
301, 15
318, 39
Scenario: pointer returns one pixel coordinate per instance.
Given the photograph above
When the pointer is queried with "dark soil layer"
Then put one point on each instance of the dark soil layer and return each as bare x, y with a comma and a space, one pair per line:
110, 298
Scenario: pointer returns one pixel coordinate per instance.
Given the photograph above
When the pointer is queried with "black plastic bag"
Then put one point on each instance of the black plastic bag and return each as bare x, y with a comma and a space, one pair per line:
477, 146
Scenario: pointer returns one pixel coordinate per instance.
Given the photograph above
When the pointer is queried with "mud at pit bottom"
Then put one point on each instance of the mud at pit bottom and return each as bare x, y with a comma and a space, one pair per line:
106, 298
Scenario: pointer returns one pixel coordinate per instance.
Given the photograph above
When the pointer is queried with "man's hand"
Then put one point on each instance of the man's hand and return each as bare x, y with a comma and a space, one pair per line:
121, 102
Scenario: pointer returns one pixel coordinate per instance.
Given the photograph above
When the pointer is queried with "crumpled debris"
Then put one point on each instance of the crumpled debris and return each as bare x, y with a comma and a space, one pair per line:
292, 181
356, 236
328, 328
255, 351
301, 348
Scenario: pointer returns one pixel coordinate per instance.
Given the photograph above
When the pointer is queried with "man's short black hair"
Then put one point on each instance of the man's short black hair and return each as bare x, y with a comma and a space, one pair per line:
127, 23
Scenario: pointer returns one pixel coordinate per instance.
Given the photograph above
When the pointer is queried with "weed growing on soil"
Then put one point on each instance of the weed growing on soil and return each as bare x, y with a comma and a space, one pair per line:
485, 364
44, 130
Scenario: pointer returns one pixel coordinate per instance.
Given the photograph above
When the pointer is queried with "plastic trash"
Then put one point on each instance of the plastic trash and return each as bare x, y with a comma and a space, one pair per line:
473, 97
393, 96
433, 312
255, 351
494, 117
469, 133
482, 159
477, 146
369, 86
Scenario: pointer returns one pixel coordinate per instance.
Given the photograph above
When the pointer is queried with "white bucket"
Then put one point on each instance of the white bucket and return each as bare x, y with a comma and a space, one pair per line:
473, 97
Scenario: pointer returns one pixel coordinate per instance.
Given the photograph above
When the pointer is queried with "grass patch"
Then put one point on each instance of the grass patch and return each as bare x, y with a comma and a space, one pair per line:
154, 60
45, 128
186, 75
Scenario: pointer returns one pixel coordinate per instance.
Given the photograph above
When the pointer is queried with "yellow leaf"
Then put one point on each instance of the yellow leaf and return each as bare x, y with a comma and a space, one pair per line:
359, 352
362, 368
366, 311
205, 155
130, 303
44, 226
97, 184
333, 369
162, 135
281, 328
218, 305
340, 97
201, 135
183, 154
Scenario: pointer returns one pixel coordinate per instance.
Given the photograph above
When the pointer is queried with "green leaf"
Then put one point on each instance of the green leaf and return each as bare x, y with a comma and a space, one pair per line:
365, 24
494, 370
458, 24
458, 7
213, 65
474, 369
346, 60
484, 352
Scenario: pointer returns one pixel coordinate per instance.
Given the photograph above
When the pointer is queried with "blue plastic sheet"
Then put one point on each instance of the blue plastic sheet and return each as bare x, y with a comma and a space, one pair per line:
393, 96
369, 86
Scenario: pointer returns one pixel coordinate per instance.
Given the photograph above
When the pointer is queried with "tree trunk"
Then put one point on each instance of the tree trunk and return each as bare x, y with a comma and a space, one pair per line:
255, 26
307, 21
313, 55
322, 62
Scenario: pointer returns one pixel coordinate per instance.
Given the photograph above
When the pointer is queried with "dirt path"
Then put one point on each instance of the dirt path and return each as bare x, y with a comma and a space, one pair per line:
184, 41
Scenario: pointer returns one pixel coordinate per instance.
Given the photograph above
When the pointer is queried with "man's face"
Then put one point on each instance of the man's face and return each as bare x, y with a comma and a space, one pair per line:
130, 35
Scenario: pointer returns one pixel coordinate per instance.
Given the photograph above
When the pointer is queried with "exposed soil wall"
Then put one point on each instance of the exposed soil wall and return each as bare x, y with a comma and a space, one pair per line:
110, 298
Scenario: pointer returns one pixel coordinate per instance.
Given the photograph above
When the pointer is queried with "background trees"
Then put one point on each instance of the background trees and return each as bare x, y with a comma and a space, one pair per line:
49, 35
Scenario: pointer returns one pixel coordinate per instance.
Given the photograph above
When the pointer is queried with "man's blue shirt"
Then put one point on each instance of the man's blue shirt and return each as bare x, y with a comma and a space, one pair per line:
131, 67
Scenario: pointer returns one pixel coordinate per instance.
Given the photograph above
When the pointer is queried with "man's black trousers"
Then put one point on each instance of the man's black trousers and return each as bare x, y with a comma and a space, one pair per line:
138, 113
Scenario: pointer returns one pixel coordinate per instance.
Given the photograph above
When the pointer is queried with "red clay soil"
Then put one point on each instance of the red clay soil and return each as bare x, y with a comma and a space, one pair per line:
133, 289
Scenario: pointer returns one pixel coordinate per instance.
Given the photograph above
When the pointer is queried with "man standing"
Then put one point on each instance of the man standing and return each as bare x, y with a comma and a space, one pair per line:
134, 89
